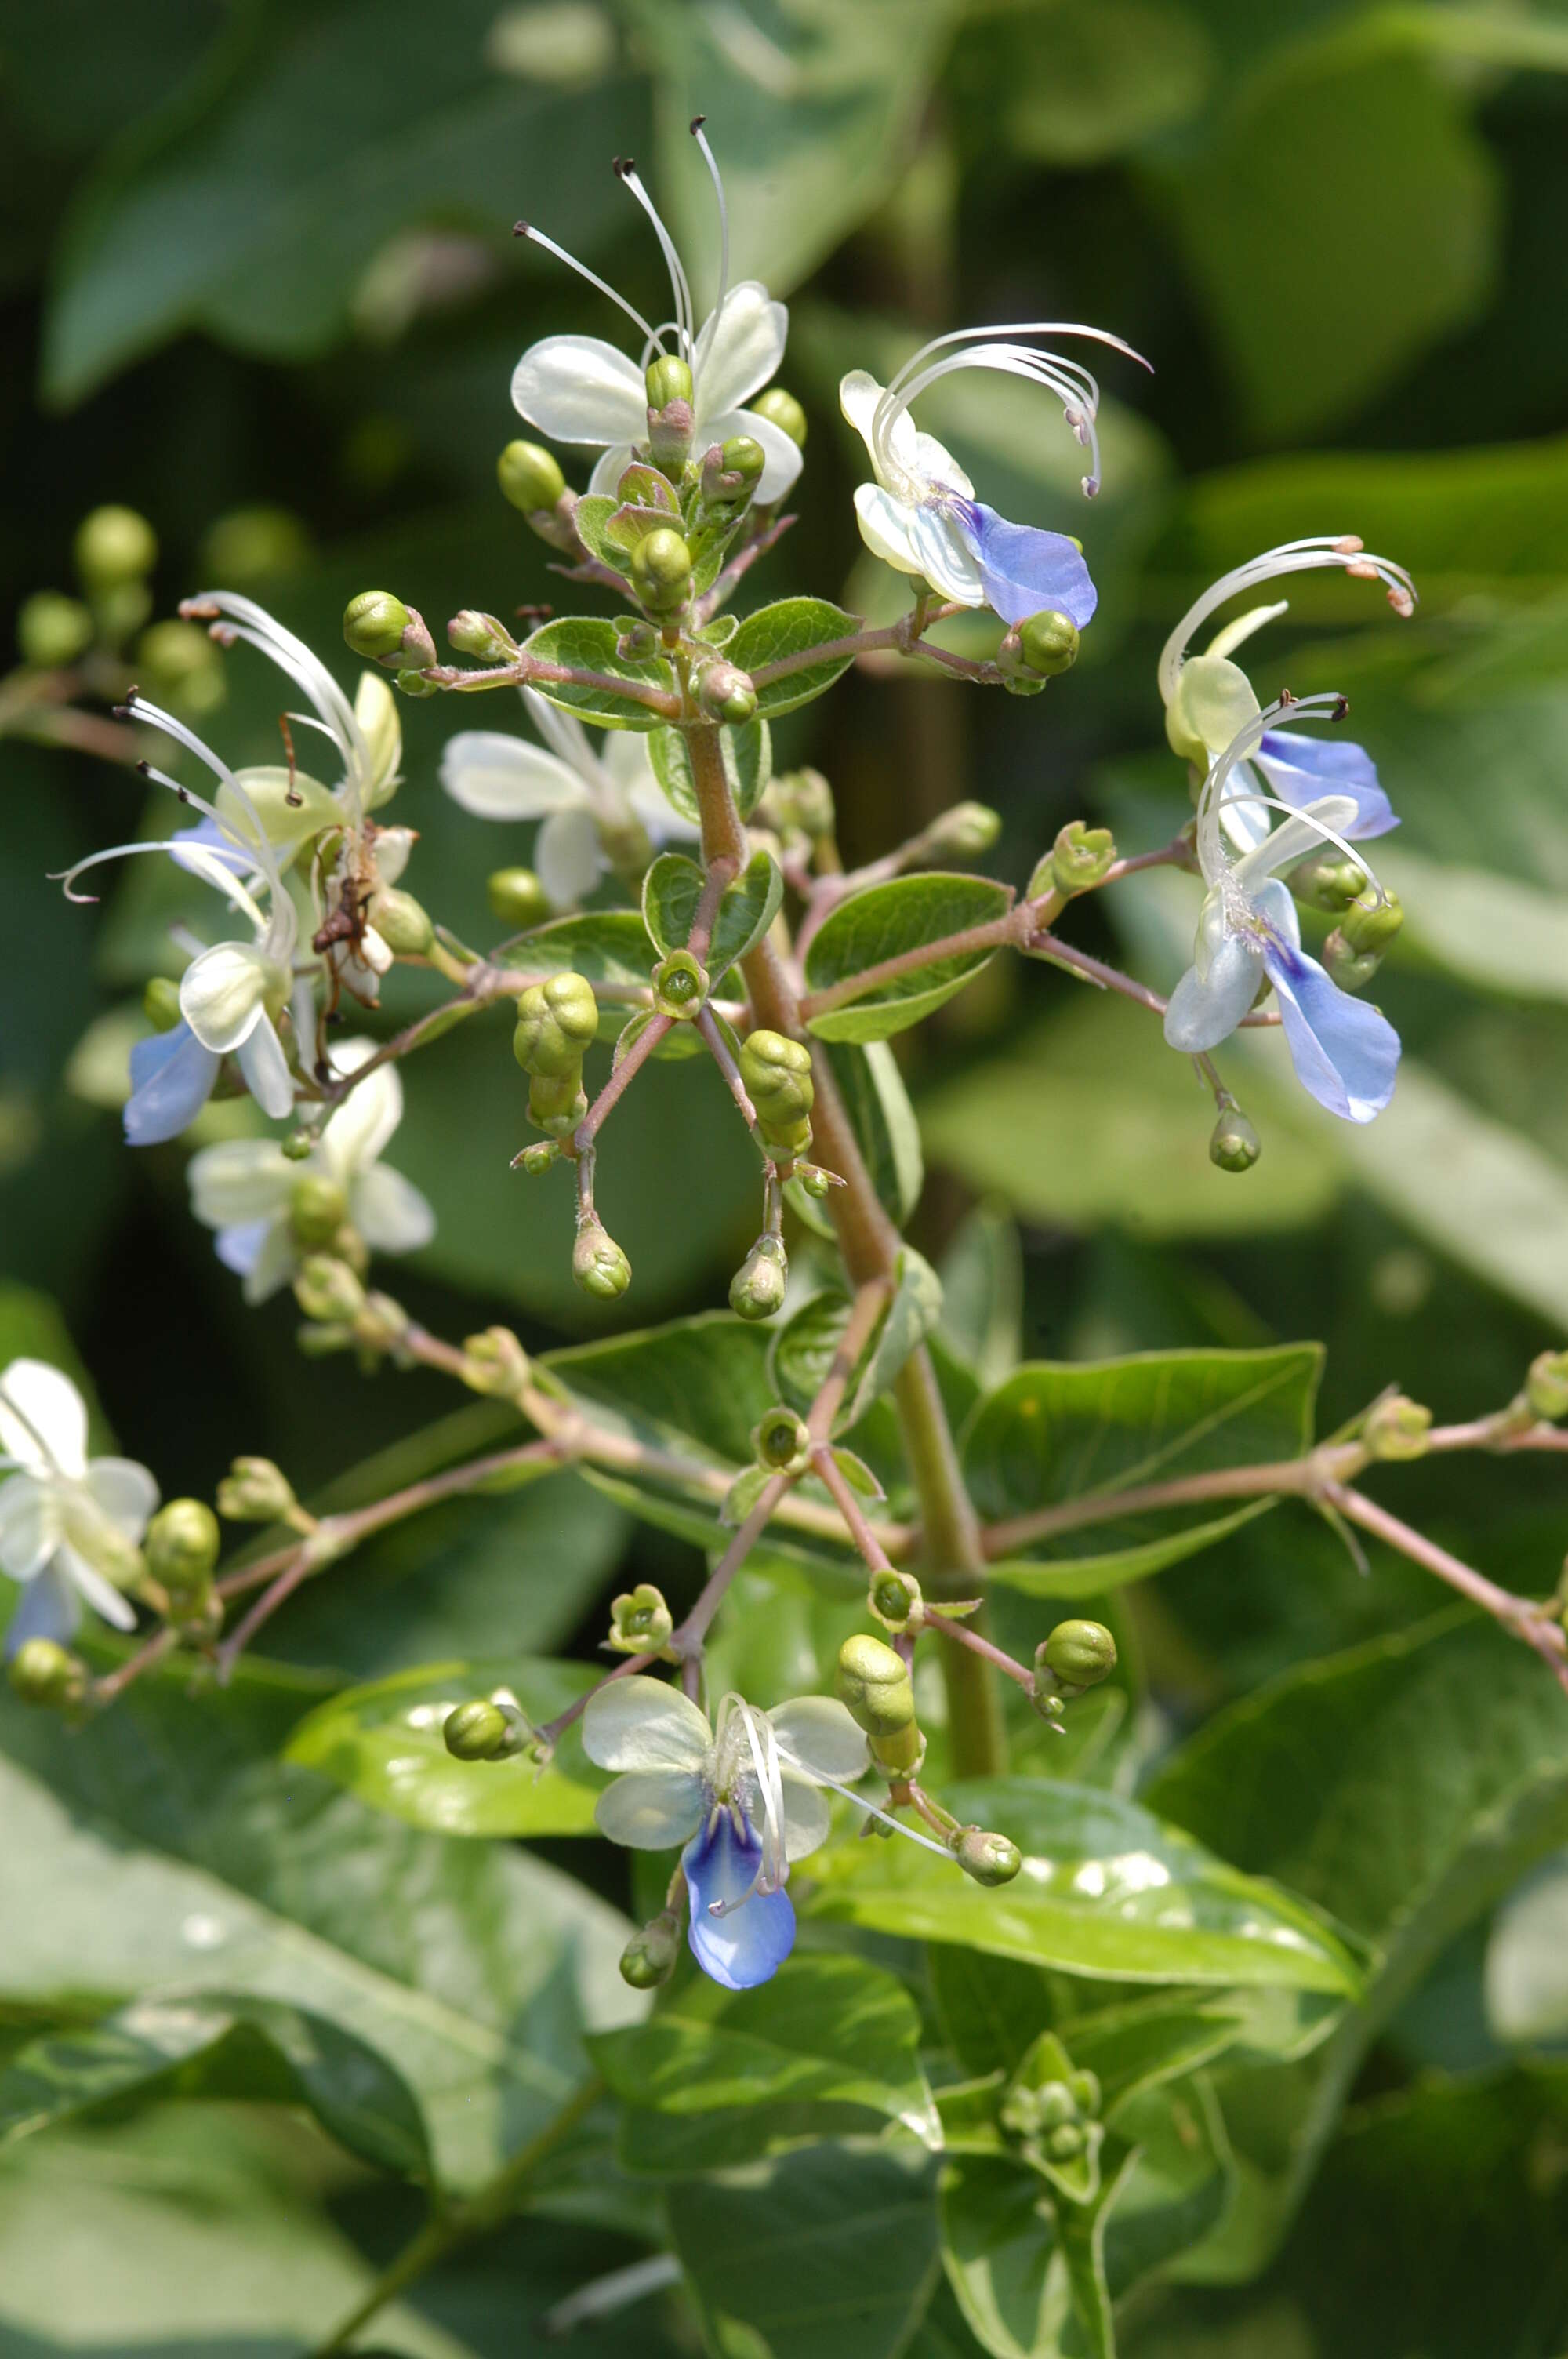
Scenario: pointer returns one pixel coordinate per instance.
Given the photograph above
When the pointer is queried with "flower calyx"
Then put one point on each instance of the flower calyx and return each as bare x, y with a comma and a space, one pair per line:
255, 1491
651, 1955
494, 1362
1397, 1429
1051, 2114
680, 986
640, 1623
781, 1443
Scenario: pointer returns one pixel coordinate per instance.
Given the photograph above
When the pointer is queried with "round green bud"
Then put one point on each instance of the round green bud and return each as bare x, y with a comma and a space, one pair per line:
183, 663
160, 1002
1085, 2091
814, 1180
1352, 970
989, 1859
181, 1546
317, 1207
43, 1672
1371, 927
777, 1074
254, 544
726, 692
1327, 881
476, 634
680, 986
1080, 1654
872, 1680
600, 1267
967, 830
1048, 643
650, 1956
1082, 857
640, 1621
529, 477
668, 380
1397, 1429
297, 1147
403, 923
661, 570
52, 629
1234, 1145
556, 1020
782, 409
1054, 2105
517, 898
1063, 2142
780, 1439
411, 682
255, 1491
536, 1161
758, 1287
745, 457
114, 545
1546, 1386
476, 1732
327, 1288
895, 1599
374, 624
494, 1364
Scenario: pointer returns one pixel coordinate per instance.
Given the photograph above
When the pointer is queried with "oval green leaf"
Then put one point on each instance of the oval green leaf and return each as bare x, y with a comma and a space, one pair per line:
790, 628
588, 643
890, 921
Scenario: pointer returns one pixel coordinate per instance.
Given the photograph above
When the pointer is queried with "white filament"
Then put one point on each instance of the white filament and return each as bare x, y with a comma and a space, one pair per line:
1345, 550
711, 330
537, 237
1069, 381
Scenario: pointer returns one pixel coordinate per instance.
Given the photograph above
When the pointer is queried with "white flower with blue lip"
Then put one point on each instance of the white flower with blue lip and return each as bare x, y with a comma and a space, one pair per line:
1346, 1053
1208, 698
245, 1188
582, 389
69, 1526
744, 1799
589, 800
920, 515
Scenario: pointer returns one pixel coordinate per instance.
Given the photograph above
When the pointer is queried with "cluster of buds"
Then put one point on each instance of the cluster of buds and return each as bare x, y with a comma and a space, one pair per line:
114, 552
558, 1021
1358, 944
1076, 1657
872, 1681
342, 1313
1051, 2114
255, 1491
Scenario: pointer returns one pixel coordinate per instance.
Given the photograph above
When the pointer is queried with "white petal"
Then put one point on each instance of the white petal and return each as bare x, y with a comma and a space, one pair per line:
358, 1133
223, 993
783, 458
29, 1525
935, 462
1204, 1010
642, 1724
885, 527
389, 1211
43, 1417
858, 395
653, 1809
737, 350
808, 1815
101, 1594
1245, 821
505, 778
241, 1247
567, 858
126, 1491
945, 559
817, 1735
607, 469
274, 1264
266, 1067
580, 389
240, 1180
392, 847
376, 710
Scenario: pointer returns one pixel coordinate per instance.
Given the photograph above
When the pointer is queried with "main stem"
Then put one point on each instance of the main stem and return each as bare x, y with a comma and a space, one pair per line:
954, 1563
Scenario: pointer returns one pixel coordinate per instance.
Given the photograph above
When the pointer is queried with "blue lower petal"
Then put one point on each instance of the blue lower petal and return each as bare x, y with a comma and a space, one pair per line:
1026, 571
49, 1608
1299, 769
748, 1945
1346, 1052
171, 1080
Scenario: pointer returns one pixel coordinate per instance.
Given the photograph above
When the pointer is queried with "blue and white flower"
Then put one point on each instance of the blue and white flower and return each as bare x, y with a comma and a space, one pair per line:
594, 795
920, 515
1208, 698
70, 1527
1346, 1053
246, 1188
580, 389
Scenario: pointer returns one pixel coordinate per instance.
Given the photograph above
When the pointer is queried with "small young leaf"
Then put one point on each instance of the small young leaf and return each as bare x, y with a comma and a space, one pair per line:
671, 891
588, 644
789, 628
887, 921
747, 910
592, 518
748, 765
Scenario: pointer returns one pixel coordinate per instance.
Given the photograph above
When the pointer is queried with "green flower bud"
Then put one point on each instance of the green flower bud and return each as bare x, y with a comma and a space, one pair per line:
1546, 1386
726, 692
781, 1442
1048, 644
557, 1019
668, 380
1080, 1654
199, 1619
536, 1161
1327, 881
757, 1289
1085, 2091
680, 985
476, 1732
403, 923
182, 664
52, 629
181, 1547
316, 1208
516, 897
255, 1491
298, 1147
413, 684
160, 1002
254, 544
1371, 926
529, 477
782, 409
114, 545
651, 1955
814, 1180
326, 1288
599, 1266
873, 1684
730, 473
44, 1673
895, 1599
640, 1621
802, 799
967, 830
989, 1859
745, 457
473, 634
660, 570
319, 1338
1063, 2142
374, 624
1233, 1143
494, 1364
1351, 970
1397, 1428
1082, 856
777, 1074
556, 1106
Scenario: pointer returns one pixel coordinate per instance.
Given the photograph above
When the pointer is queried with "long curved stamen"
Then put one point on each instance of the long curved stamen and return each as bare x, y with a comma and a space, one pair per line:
240, 617
140, 709
710, 331
873, 1811
1213, 859
764, 1749
204, 860
686, 324
537, 237
1347, 551
1073, 384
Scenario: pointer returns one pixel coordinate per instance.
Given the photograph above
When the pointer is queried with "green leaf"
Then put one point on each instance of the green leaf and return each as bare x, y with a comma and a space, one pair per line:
982, 1293
385, 1743
592, 516
588, 643
873, 1090
1492, 931
1057, 1433
673, 887
1114, 83
828, 2047
1027, 2269
1106, 1890
225, 2046
802, 1350
748, 765
605, 945
889, 921
790, 628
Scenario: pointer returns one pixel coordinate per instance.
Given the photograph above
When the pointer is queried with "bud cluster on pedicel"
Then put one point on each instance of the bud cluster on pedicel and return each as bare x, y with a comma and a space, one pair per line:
701, 446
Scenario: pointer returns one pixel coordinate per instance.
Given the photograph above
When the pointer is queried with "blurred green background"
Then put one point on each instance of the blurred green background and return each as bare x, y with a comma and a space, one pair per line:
260, 257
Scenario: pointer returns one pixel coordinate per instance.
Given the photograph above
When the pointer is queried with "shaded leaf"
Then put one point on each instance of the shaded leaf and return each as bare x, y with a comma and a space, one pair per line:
888, 921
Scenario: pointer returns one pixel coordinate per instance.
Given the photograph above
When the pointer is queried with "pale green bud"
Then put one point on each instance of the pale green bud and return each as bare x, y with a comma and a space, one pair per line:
375, 623
411, 682
114, 545
730, 473
1398, 1428
758, 1287
782, 409
1065, 2141
495, 1363
556, 1020
599, 1266
1049, 643
160, 1002
477, 1731
182, 664
1085, 2091
1546, 1386
802, 799
254, 544
43, 1672
1351, 970
651, 1955
967, 830
1327, 881
1082, 857
726, 692
1079, 1654
660, 570
327, 1288
989, 1859
52, 629
873, 1684
1234, 1145
781, 1442
895, 1599
777, 1074
536, 1161
403, 923
297, 1147
517, 898
475, 634
316, 1208
556, 1106
255, 1491
668, 380
640, 1621
181, 1547
680, 985
1370, 927
529, 477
